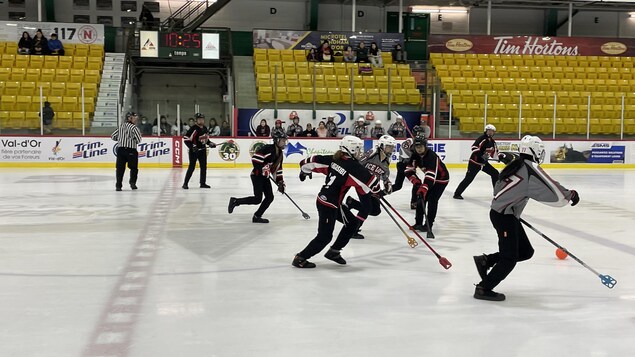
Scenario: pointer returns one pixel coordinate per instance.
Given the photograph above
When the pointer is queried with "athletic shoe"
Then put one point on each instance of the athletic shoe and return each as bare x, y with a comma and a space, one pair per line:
357, 235
420, 228
118, 189
481, 265
300, 262
430, 235
334, 256
457, 197
256, 219
185, 186
232, 204
205, 186
489, 295
133, 186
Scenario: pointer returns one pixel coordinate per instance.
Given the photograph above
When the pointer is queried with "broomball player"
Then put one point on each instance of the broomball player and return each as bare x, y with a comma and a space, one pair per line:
405, 152
520, 180
342, 171
429, 191
483, 148
197, 140
267, 160
377, 162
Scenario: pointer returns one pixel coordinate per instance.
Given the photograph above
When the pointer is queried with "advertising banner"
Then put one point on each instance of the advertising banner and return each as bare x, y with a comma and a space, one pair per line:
249, 119
532, 45
88, 34
304, 40
587, 152
149, 41
211, 46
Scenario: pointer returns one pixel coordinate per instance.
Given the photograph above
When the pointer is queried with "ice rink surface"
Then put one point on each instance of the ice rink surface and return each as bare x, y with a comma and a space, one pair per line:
87, 271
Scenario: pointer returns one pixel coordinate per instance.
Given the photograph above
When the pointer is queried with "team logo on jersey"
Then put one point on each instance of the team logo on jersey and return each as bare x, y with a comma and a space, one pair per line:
294, 149
229, 150
255, 147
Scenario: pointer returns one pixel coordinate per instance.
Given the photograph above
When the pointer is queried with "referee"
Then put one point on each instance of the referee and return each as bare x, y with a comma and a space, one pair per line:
127, 137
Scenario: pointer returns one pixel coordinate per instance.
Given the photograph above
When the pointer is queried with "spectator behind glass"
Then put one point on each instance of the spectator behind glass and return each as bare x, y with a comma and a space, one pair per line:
278, 126
190, 123
214, 129
144, 126
331, 126
374, 54
326, 53
398, 54
322, 131
55, 46
39, 44
312, 56
225, 129
362, 53
349, 54
166, 128
47, 117
263, 129
309, 132
25, 44
378, 131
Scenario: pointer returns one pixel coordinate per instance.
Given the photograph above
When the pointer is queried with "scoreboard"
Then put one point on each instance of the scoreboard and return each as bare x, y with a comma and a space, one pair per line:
179, 45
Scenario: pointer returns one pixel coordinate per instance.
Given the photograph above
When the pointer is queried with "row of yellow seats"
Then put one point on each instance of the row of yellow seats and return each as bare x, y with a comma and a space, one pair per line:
534, 84
545, 125
331, 68
48, 88
531, 60
261, 54
339, 95
563, 99
32, 103
333, 81
31, 120
544, 110
69, 49
535, 72
50, 75
436, 56
513, 95
52, 62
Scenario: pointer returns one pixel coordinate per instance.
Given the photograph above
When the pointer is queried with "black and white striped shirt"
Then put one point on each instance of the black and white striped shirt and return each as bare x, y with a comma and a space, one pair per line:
127, 135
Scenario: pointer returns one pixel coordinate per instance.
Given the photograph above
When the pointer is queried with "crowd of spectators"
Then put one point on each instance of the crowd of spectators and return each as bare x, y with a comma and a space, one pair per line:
40, 45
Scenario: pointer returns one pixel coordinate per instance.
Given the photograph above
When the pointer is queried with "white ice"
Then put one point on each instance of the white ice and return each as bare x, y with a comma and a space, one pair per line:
87, 271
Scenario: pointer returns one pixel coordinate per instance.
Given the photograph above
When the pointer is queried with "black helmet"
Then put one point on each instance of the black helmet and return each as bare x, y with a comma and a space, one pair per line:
421, 140
278, 134
199, 115
130, 115
416, 129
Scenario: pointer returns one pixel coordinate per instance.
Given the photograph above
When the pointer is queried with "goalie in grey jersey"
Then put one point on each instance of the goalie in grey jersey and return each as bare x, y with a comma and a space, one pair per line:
377, 162
520, 180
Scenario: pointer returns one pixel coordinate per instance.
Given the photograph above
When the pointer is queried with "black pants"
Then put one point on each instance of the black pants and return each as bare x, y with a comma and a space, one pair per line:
262, 185
374, 207
513, 247
472, 170
326, 224
398, 184
432, 203
130, 157
201, 157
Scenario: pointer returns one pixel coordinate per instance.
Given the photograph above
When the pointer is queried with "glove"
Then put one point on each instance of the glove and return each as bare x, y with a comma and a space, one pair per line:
211, 144
575, 198
303, 176
422, 191
387, 187
266, 171
281, 186
415, 180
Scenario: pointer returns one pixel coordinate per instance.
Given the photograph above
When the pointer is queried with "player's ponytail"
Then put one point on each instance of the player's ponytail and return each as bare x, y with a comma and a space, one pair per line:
338, 155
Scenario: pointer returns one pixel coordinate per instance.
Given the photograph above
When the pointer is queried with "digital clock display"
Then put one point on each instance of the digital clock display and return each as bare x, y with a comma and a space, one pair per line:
178, 40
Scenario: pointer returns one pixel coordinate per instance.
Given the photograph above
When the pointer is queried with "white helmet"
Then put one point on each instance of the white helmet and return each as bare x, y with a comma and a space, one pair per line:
533, 146
387, 140
490, 127
377, 122
352, 145
361, 118
399, 117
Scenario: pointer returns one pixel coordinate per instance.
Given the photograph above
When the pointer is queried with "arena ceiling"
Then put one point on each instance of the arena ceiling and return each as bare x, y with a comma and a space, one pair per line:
600, 5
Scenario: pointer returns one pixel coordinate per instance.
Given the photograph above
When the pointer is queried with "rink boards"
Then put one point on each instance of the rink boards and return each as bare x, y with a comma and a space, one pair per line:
54, 151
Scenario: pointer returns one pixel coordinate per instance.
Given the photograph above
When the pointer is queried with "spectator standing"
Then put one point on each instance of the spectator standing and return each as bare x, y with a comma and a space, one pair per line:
362, 53
374, 55
40, 44
378, 130
425, 128
398, 128
146, 18
127, 137
398, 54
214, 129
263, 129
331, 126
47, 117
225, 129
25, 44
322, 131
309, 132
55, 46
349, 54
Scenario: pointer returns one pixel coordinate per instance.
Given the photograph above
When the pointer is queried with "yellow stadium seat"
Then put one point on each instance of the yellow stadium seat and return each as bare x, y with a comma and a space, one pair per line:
81, 50
76, 75
7, 102
307, 94
51, 62
262, 67
273, 55
306, 80
278, 80
32, 119
379, 72
321, 95
330, 81
73, 89
408, 82
5, 74
294, 94
46, 88
23, 102
57, 89
381, 82
346, 95
11, 88
302, 68
340, 68
8, 60
93, 63
395, 83
368, 82
18, 74
65, 62
372, 95
260, 55
56, 102
28, 88
334, 95
263, 79
63, 120
288, 67
629, 126
47, 75
326, 69
400, 96
69, 103
32, 74
291, 80
384, 98
91, 76
16, 119
95, 50
22, 61
359, 95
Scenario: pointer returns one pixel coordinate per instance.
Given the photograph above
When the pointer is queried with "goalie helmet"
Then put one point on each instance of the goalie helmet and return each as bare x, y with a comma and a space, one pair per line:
532, 146
352, 145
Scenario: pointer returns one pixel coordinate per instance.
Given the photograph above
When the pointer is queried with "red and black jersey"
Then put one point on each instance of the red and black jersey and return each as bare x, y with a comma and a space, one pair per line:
433, 168
196, 137
268, 156
341, 174
483, 148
